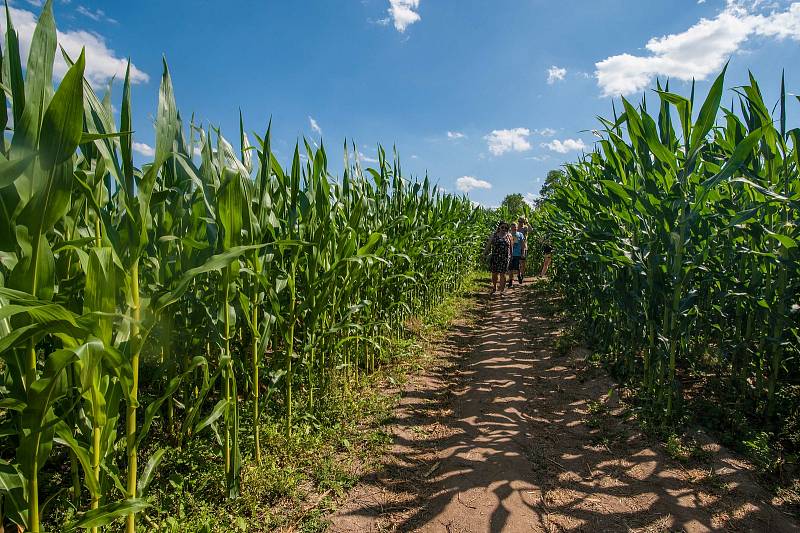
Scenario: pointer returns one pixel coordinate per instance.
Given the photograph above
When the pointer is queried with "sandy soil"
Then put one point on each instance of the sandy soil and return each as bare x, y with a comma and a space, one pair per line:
507, 435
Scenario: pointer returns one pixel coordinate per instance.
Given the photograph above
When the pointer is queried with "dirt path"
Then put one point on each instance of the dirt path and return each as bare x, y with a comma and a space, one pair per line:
508, 435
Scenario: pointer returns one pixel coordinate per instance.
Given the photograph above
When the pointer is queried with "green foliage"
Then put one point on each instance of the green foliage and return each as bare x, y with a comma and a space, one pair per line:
760, 450
676, 246
169, 296
553, 180
514, 204
684, 450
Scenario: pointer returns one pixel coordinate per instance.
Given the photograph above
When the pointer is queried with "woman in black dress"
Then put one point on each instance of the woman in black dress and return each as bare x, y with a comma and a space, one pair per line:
499, 249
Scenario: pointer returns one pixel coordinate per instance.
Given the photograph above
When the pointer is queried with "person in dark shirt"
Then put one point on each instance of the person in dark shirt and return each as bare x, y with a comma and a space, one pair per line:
499, 251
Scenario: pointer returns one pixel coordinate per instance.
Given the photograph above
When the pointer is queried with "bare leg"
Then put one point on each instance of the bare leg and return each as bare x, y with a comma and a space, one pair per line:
494, 282
546, 265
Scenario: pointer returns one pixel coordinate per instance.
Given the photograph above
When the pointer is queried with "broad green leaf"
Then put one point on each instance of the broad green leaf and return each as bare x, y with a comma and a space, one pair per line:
12, 57
708, 112
11, 169
149, 471
91, 137
105, 514
38, 80
219, 409
62, 124
66, 438
214, 263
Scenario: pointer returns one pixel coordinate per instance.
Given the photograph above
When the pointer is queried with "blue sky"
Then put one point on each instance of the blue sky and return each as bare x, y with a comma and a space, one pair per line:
485, 97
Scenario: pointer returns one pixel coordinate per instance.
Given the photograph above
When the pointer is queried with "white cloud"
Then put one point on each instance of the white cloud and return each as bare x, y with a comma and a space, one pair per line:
567, 145
314, 126
144, 149
781, 25
467, 183
455, 135
414, 156
555, 74
101, 62
502, 141
698, 52
545, 132
365, 158
530, 198
97, 15
403, 13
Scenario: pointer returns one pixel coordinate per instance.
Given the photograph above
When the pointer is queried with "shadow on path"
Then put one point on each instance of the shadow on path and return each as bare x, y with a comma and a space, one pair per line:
506, 435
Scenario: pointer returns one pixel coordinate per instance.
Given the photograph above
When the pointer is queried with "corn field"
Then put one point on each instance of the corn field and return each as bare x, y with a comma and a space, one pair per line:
677, 241
214, 273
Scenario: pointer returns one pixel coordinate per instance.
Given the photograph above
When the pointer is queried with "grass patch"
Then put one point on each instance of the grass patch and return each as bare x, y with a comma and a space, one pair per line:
685, 449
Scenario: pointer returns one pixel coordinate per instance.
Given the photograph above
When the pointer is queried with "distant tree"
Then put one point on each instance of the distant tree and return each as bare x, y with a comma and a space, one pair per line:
554, 178
515, 203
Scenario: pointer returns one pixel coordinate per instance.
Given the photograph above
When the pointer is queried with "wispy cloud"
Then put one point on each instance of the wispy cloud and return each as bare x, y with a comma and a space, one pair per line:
144, 149
455, 135
97, 15
545, 132
468, 183
314, 125
555, 74
102, 62
512, 140
539, 158
403, 13
699, 51
565, 146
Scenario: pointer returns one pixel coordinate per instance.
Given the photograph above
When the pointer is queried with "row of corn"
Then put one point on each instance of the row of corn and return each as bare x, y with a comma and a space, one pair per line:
173, 294
677, 241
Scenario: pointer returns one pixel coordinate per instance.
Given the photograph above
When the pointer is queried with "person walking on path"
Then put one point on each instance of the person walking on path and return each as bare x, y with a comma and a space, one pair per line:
517, 243
499, 250
523, 259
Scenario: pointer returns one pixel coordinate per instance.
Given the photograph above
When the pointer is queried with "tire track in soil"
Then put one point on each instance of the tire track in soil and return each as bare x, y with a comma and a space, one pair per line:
503, 434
